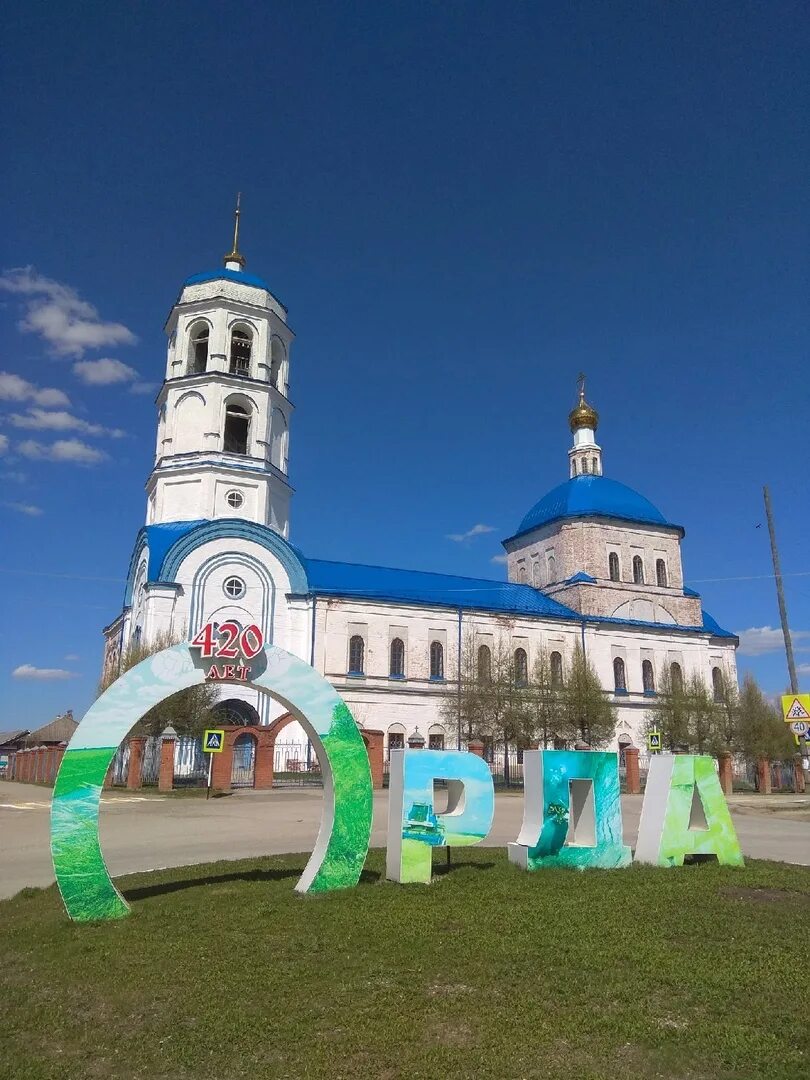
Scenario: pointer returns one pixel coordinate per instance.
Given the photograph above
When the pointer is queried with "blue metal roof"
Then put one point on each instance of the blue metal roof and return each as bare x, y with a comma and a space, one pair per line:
160, 538
436, 590
239, 276
591, 496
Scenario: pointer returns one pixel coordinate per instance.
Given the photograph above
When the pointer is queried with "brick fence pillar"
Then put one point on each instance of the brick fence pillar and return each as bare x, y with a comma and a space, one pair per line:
223, 761
799, 784
137, 746
265, 751
166, 774
375, 741
726, 773
475, 746
632, 774
764, 774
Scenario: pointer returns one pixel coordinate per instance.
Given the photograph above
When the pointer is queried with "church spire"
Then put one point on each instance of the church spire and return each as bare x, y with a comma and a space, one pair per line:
585, 456
234, 260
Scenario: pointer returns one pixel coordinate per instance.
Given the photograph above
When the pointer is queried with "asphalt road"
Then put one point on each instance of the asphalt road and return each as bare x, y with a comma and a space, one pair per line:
150, 831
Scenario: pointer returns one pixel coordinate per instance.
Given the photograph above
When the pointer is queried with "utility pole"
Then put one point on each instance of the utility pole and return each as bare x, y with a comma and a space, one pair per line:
780, 594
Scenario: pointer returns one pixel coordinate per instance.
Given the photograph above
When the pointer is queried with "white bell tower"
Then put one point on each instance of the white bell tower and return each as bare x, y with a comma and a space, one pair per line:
223, 410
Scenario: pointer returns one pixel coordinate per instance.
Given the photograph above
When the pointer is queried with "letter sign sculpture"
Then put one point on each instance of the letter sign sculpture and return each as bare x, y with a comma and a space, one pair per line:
572, 814
685, 813
342, 843
414, 827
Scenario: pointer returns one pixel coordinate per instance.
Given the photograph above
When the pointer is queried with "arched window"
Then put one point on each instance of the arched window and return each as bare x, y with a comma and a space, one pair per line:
594, 466
198, 351
647, 677
555, 664
278, 440
552, 569
436, 660
237, 429
619, 677
277, 355
396, 663
638, 570
484, 664
613, 566
521, 575
536, 574
357, 655
661, 573
676, 678
241, 343
521, 668
718, 684
584, 464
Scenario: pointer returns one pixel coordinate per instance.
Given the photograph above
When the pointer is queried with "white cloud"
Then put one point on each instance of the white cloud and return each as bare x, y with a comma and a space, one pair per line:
28, 671
476, 530
103, 372
41, 420
15, 388
72, 656
143, 388
3, 443
14, 475
498, 559
24, 508
759, 640
72, 450
57, 314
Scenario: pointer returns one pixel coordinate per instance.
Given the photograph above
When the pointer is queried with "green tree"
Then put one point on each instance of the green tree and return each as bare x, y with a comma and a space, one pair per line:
187, 711
542, 703
761, 731
671, 713
586, 713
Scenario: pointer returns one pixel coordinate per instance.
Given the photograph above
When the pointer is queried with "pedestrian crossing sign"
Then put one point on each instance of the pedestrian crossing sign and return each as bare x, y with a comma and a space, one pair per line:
795, 707
654, 742
213, 740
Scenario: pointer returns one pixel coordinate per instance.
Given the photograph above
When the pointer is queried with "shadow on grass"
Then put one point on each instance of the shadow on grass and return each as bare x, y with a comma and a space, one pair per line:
446, 866
144, 892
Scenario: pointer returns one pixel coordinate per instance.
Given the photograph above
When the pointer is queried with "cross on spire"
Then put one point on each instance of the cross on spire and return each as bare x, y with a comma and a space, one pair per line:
234, 255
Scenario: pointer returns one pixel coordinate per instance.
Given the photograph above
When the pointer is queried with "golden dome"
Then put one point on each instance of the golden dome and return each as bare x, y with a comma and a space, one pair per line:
583, 415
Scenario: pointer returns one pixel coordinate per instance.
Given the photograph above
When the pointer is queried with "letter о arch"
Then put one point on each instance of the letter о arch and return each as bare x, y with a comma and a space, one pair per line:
342, 842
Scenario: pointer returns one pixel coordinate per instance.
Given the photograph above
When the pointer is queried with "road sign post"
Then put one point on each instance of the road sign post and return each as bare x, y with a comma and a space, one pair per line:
654, 742
796, 712
213, 743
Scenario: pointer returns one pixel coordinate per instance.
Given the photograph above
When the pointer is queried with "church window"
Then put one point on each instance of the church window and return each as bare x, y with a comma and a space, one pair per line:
198, 359
555, 664
241, 342
484, 665
521, 668
718, 685
234, 499
661, 573
435, 740
278, 440
536, 574
613, 566
436, 660
396, 740
237, 428
619, 676
647, 677
638, 570
584, 464
276, 360
521, 575
552, 569
357, 655
594, 466
396, 667
676, 678
234, 588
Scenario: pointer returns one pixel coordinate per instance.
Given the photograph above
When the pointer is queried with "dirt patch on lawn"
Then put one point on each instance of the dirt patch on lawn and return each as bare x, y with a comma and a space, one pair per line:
767, 896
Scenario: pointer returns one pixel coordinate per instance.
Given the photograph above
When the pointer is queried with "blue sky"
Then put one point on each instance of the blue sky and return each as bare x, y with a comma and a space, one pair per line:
462, 206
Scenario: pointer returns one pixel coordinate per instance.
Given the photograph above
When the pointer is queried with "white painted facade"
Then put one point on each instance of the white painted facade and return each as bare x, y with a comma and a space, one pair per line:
218, 502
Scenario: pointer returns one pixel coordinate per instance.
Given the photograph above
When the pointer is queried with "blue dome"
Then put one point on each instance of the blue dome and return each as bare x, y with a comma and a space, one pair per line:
592, 496
239, 276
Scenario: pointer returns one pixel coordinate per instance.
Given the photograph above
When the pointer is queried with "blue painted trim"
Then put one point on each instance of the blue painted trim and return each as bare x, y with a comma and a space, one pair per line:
135, 558
233, 529
355, 674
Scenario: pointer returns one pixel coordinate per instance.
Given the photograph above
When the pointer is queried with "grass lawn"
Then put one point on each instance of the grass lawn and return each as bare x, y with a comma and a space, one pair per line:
224, 971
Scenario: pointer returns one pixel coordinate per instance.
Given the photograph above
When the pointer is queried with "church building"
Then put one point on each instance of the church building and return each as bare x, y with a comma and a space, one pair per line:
592, 563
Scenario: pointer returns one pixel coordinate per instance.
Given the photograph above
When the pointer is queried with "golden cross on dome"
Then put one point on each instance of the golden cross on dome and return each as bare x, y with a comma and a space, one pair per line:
233, 255
581, 385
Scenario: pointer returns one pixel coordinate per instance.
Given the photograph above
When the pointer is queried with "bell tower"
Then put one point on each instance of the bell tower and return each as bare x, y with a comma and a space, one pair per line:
585, 456
223, 410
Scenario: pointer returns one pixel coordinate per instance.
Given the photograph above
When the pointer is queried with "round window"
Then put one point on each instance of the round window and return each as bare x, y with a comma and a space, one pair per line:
234, 499
234, 587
